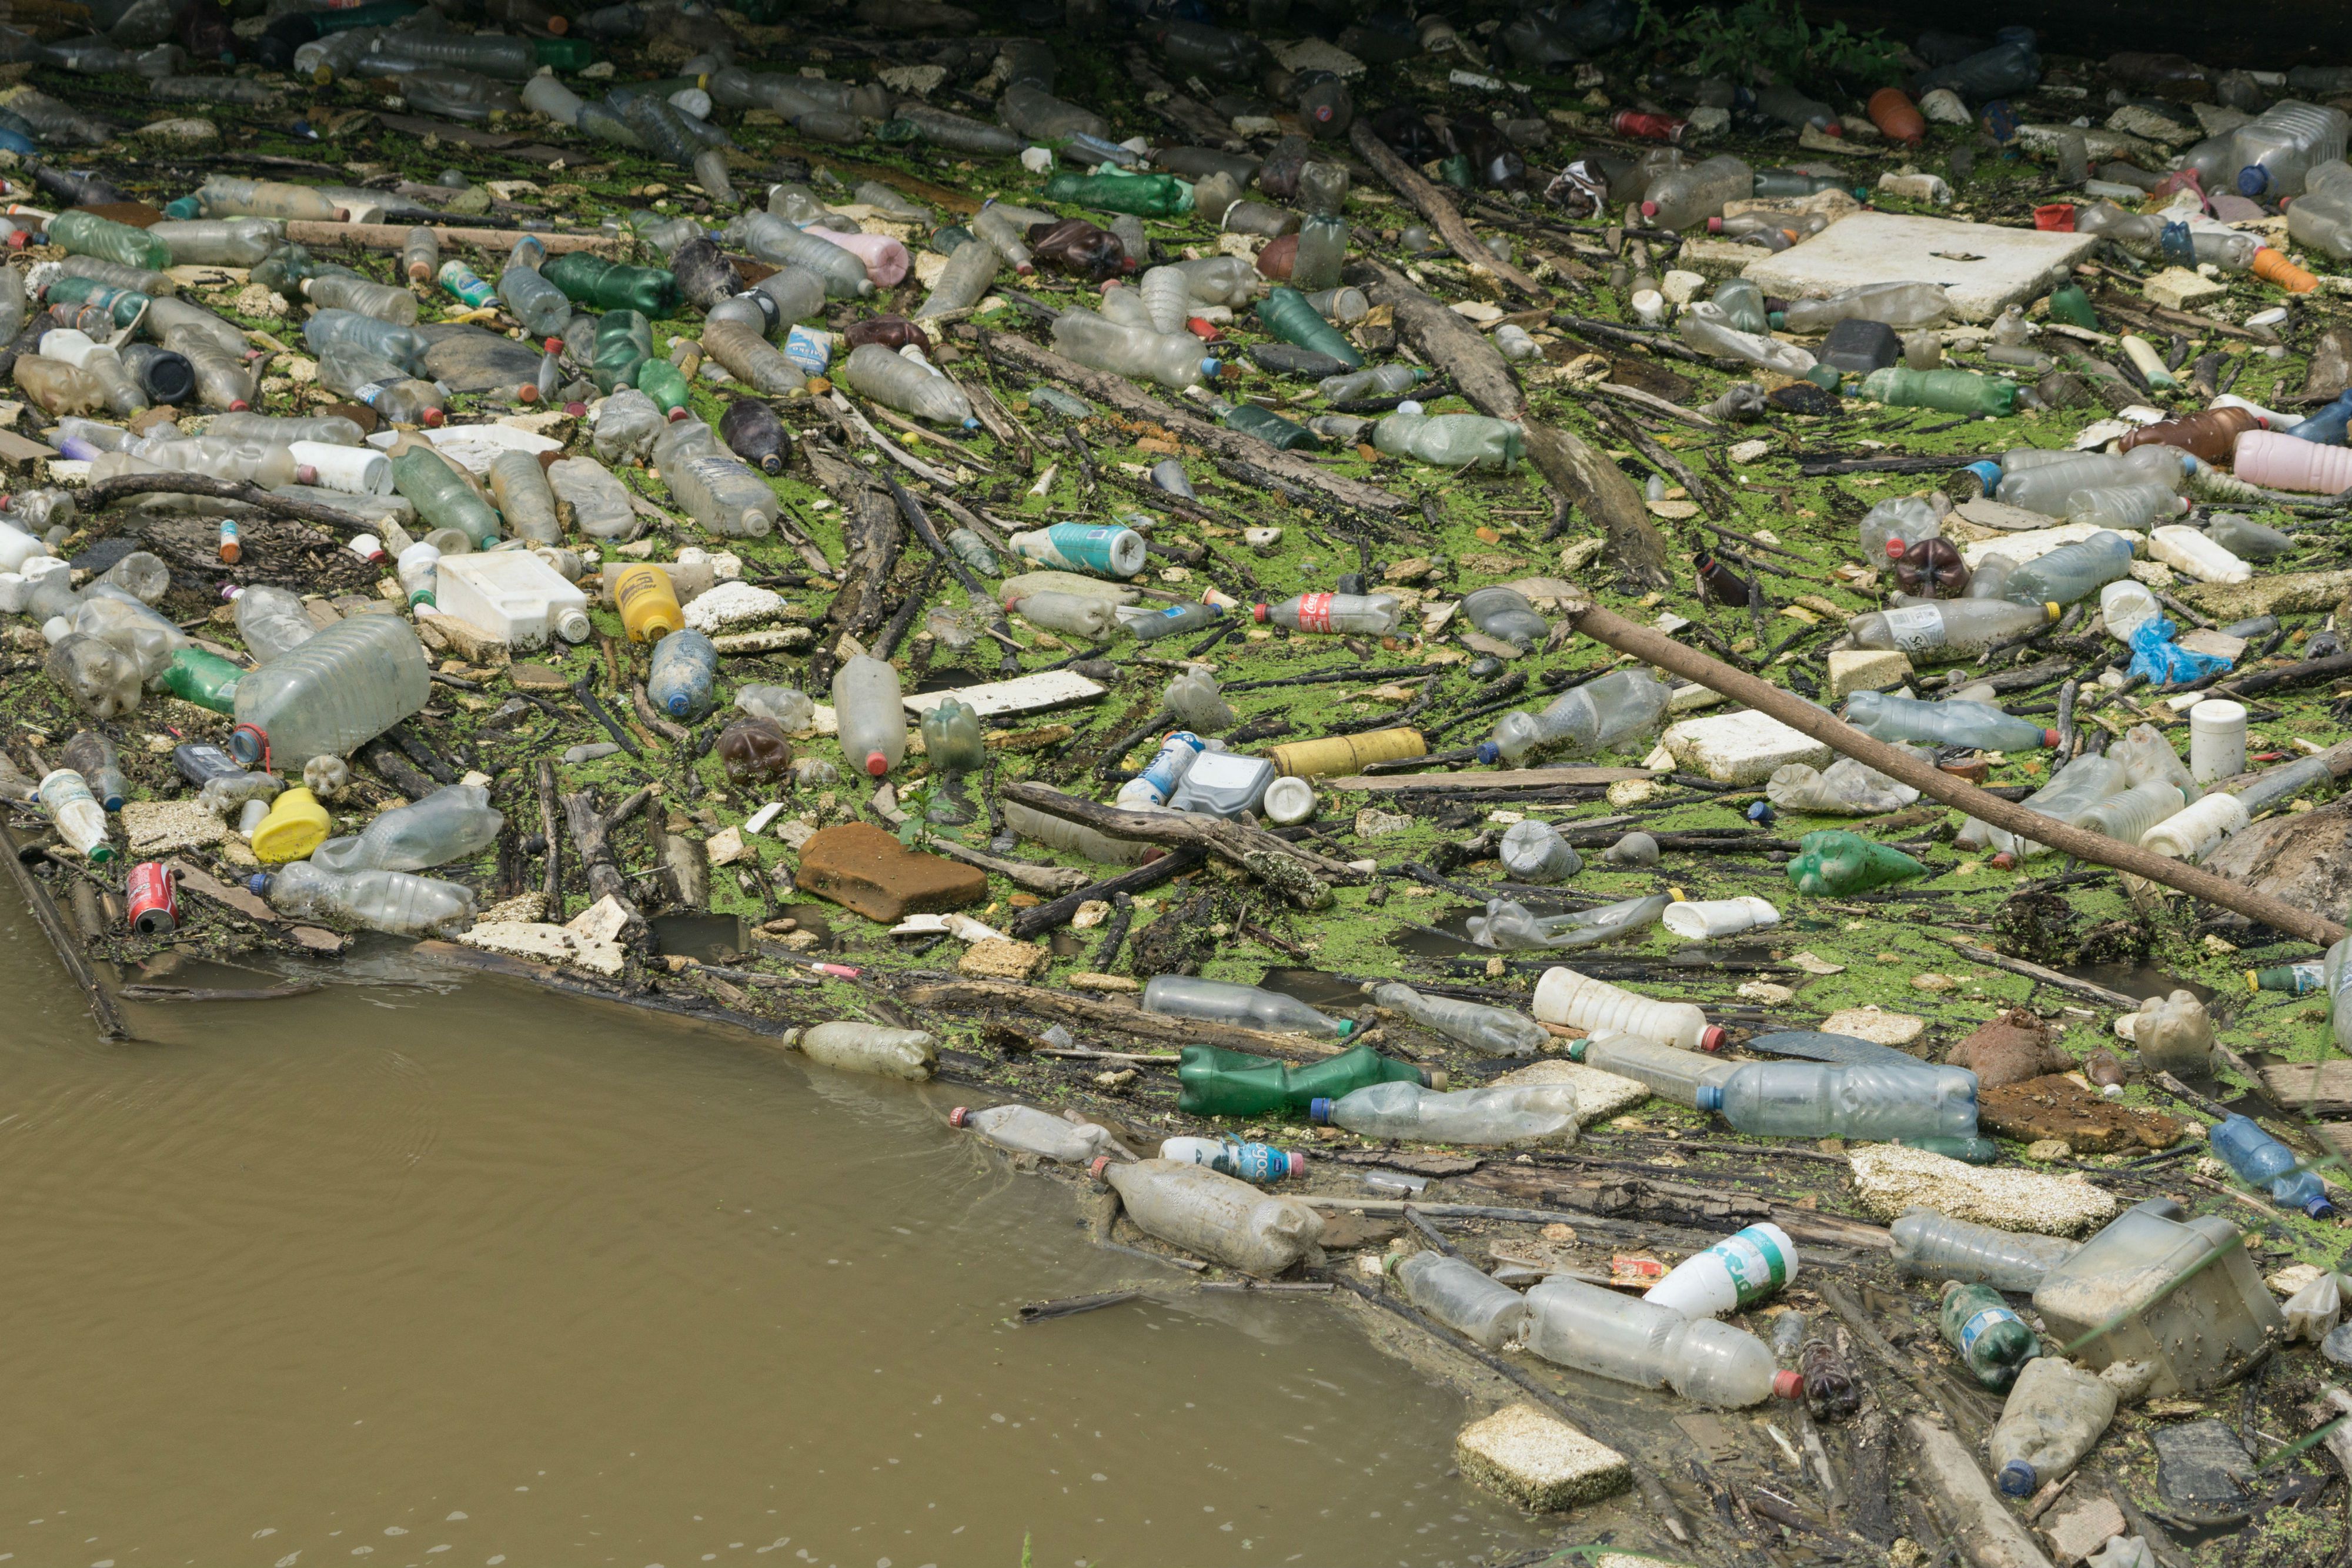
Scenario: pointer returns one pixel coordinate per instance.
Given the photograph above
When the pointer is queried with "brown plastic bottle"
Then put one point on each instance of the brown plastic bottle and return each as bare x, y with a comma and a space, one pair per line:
1892, 111
1075, 246
2212, 436
1931, 568
1831, 1392
1720, 584
892, 332
754, 750
1276, 257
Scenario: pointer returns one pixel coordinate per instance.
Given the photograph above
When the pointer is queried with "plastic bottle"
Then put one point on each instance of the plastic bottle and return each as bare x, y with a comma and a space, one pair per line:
1704, 920
2277, 461
2070, 572
873, 719
2055, 1414
2171, 1034
2260, 1161
1509, 925
204, 679
1171, 359
1491, 1031
1077, 616
1838, 862
443, 499
104, 679
364, 296
685, 664
2295, 979
1216, 1082
1451, 440
1463, 1299
58, 387
92, 755
420, 253
1951, 390
970, 272
519, 484
870, 1048
774, 240
712, 483
1025, 1130
1600, 715
1669, 1071
271, 620
1285, 313
454, 823
1598, 1331
123, 395
79, 819
1683, 198
1216, 1215
1899, 305
2127, 817
86, 234
597, 503
1992, 1342
399, 903
1706, 326
1579, 1001
1743, 1268
787, 708
382, 385
341, 688
1379, 380
873, 370
1883, 715
1491, 1118
1533, 851
1934, 1246
1950, 628
1831, 1100
1222, 1002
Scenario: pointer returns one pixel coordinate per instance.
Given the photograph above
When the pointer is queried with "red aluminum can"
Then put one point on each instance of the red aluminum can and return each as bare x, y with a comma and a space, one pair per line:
154, 897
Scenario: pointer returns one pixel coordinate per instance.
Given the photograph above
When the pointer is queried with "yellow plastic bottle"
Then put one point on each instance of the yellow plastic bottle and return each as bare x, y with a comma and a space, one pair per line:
1346, 753
296, 825
648, 604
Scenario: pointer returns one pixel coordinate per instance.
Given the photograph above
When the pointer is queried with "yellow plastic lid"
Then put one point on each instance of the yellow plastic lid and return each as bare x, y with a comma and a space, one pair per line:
296, 825
2052, 608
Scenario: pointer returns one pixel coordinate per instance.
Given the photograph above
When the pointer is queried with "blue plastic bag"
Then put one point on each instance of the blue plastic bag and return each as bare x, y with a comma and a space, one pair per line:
2164, 662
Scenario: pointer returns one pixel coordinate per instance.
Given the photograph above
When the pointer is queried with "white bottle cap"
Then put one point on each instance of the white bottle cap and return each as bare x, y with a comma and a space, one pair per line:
1289, 801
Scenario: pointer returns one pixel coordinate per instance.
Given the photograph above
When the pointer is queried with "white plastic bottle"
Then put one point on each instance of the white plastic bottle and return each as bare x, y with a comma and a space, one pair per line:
1025, 1129
1466, 1299
1699, 920
79, 819
1744, 1266
1597, 1331
395, 902
1218, 1217
1259, 1163
2195, 831
1579, 1001
868, 703
1492, 1032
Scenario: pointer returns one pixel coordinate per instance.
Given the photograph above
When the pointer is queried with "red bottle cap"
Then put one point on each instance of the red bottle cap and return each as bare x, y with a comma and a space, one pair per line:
1258, 610
306, 473
1895, 549
432, 418
2004, 862
1711, 1038
959, 1116
526, 393
239, 406
1649, 209
2050, 740
1715, 225
1095, 1167
877, 764
1204, 330
1787, 1385
576, 410
1833, 130
553, 345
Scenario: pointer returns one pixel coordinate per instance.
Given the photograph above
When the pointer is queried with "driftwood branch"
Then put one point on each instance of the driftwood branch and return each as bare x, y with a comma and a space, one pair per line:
53, 926
592, 831
1253, 850
920, 521
1048, 879
554, 884
98, 496
1031, 923
873, 534
1432, 204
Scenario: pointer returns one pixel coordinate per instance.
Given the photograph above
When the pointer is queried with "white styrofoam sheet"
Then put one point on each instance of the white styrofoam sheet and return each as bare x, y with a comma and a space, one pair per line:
1030, 694
1982, 266
480, 445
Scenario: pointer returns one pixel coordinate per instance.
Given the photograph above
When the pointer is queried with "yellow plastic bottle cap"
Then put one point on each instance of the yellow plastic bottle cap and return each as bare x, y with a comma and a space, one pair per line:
2050, 606
1677, 894
296, 825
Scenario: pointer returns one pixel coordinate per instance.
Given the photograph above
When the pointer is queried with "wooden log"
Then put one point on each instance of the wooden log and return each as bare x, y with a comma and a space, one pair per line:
2031, 971
391, 236
554, 886
1433, 203
874, 534
1580, 472
69, 954
1654, 647
1988, 1535
1128, 398
98, 496
1031, 923
592, 833
2310, 1088
1503, 779
964, 995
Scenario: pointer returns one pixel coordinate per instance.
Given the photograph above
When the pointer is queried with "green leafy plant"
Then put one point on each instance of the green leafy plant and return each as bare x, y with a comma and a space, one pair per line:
918, 800
1769, 37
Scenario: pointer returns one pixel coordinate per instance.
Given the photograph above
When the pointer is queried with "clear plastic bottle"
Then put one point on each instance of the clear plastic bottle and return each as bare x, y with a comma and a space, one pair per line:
753, 361
1463, 1298
1705, 326
330, 330
1335, 614
1223, 1001
1846, 787
1490, 1031
873, 370
1451, 440
123, 394
1216, 1215
2261, 1161
774, 240
1503, 613
266, 463
219, 242
1579, 1001
1075, 838
1595, 1330
1533, 851
2055, 1414
1933, 1246
2070, 572
1669, 1071
1834, 1100
1883, 715
86, 234
1899, 305
1172, 361
331, 430
58, 387
685, 665
1949, 629
1373, 381
597, 503
228, 196
443, 499
2133, 507
2273, 150
339, 690
1077, 615
787, 708
420, 253
1484, 1118
2126, 818
1685, 197
519, 483
1511, 927
454, 823
2171, 1034
79, 819
870, 1048
970, 272
542, 308
361, 296
382, 385
2041, 482
102, 678
1600, 715
1194, 699
130, 626
1025, 1130
271, 620
92, 755
1743, 1268
714, 486
871, 716
396, 902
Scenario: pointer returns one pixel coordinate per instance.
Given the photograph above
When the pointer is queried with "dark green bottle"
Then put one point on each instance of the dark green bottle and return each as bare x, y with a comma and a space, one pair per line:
1991, 1339
624, 340
601, 285
1265, 423
204, 679
2072, 306
1145, 195
1285, 313
1235, 1084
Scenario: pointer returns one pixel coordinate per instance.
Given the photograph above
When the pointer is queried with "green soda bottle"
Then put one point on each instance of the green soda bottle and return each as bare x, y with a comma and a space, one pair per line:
1285, 313
1235, 1084
1954, 392
125, 304
2295, 979
1991, 1339
204, 679
442, 499
1263, 423
664, 382
1145, 195
624, 340
86, 234
601, 285
565, 54
2073, 306
1835, 861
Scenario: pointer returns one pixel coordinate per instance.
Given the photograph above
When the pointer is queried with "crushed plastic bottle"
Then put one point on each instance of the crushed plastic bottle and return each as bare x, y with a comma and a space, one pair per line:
1489, 1031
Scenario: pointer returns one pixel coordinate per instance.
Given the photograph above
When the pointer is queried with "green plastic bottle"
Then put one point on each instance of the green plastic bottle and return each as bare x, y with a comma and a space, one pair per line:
1145, 195
1235, 1084
1455, 172
1954, 392
183, 208
442, 499
86, 234
664, 382
601, 285
624, 340
1968, 1151
2295, 979
1835, 861
1991, 1339
204, 679
1263, 423
124, 303
1285, 313
467, 284
565, 54
2071, 305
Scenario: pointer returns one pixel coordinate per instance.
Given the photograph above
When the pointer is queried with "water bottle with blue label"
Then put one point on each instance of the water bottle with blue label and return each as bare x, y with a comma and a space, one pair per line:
1146, 624
1158, 781
1103, 550
1260, 1163
1993, 1340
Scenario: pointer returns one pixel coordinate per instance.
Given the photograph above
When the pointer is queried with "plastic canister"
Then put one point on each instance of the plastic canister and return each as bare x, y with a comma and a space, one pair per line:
648, 606
512, 594
1289, 801
1348, 753
1698, 920
2217, 740
1222, 784
296, 825
354, 470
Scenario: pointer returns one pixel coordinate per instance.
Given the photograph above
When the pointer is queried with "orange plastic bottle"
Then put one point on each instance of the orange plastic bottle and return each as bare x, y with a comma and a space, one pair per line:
2274, 268
1892, 111
2210, 435
648, 605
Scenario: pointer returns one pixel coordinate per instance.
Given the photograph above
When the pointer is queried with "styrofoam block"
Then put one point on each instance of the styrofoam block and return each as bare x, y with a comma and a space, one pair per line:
1984, 269
1599, 1095
1743, 748
1538, 1460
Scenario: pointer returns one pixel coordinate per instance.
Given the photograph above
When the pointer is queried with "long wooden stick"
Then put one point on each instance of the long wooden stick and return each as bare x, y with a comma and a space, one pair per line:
1432, 204
391, 236
53, 926
1658, 649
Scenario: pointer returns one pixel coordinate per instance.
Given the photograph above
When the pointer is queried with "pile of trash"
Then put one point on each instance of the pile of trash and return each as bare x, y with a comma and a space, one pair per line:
1674, 728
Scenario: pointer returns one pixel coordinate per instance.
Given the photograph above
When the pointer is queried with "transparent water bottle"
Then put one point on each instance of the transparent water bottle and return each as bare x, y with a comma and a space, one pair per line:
518, 483
871, 716
328, 430
130, 626
1992, 1341
714, 486
1025, 1130
1194, 699
1218, 1217
542, 308
970, 272
873, 370
443, 499
1933, 1246
1505, 614
1669, 1071
404, 346
1463, 1298
341, 689
102, 678
1490, 1031
1628, 1340
362, 296
1373, 381
1598, 1008
121, 392
1883, 715
1511, 927
1900, 305
1600, 715
1834, 1100
1451, 440
399, 903
1533, 851
1075, 838
2261, 1161
752, 359
382, 385
685, 664
229, 194
596, 503
1223, 1001
2055, 1414
1705, 326
420, 253
1335, 614
2127, 817
774, 240
272, 621
1482, 1118
1172, 361
2043, 486
454, 823
269, 463
870, 1048
92, 755
1683, 198
1078, 615
2131, 506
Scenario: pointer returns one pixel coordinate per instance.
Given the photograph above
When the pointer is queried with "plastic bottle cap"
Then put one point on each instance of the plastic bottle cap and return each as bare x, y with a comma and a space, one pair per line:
305, 474
1710, 1038
2253, 180
1715, 225
1895, 549
1099, 1165
1257, 612
959, 1116
238, 405
1832, 130
249, 744
432, 417
1490, 753
2017, 1479
1709, 1096
258, 884
2050, 740
1346, 1028
1787, 1385
1319, 1111
1293, 1164
526, 393
877, 764
1649, 209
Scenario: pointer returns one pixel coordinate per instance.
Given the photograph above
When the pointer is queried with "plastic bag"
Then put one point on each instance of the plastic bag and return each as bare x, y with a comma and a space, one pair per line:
2164, 662
1846, 787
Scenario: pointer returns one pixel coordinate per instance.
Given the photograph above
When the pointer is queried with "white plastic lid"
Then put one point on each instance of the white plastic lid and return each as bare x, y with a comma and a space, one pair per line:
1289, 800
2218, 715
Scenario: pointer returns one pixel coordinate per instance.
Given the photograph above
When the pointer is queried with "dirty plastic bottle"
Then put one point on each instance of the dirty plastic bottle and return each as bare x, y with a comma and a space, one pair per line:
714, 486
123, 394
2133, 507
873, 719
1579, 1001
1491, 1031
2070, 572
1377, 381
271, 620
1486, 1118
1463, 1298
519, 484
1451, 440
399, 903
92, 755
1838, 862
1899, 305
1216, 1215
1951, 390
1600, 715
443, 499
457, 823
951, 738
339, 690
2260, 1160
1933, 1246
1707, 328
1025, 1130
873, 370
1285, 313
544, 309
383, 386
2127, 817
1684, 198
970, 272
219, 242
1904, 520
102, 678
868, 1048
1533, 851
86, 234
774, 240
2055, 1414
1510, 927
2149, 757
1222, 1002
362, 296
751, 359
1076, 615
1832, 1100
1171, 359
1992, 1341
79, 819
58, 387
685, 664
1595, 1330
1334, 615
753, 433
1949, 629
420, 253
1883, 715
1167, 768
1743, 1268
598, 504
2171, 1034
789, 708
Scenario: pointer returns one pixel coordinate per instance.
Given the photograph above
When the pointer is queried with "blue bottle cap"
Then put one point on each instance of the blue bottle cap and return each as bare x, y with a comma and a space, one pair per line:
1988, 475
2017, 1479
1319, 1111
1490, 753
1759, 810
1210, 369
679, 704
258, 884
1710, 1096
2253, 180
2319, 1208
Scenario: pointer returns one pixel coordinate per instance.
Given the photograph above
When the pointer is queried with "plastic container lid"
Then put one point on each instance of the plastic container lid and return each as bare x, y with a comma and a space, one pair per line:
2017, 1479
1711, 1039
1788, 1384
258, 884
1099, 1165
1709, 1096
296, 825
1490, 753
959, 1116
1988, 475
1319, 1111
877, 764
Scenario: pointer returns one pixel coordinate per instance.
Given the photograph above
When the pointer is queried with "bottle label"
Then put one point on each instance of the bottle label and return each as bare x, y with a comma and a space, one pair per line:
1754, 1260
1917, 626
1315, 611
1977, 1327
2306, 978
369, 392
2343, 985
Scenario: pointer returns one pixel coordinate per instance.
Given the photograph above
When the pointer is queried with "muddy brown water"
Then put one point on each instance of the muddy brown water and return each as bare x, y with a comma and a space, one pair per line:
443, 1269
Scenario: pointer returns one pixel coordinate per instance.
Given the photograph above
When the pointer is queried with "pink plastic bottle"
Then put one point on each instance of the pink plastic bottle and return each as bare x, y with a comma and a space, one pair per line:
2278, 460
885, 259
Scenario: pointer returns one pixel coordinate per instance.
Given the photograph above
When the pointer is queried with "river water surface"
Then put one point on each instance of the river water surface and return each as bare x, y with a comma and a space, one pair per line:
447, 1270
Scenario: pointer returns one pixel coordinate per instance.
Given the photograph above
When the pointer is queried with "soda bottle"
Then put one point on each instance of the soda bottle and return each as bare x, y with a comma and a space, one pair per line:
1233, 1084
1025, 1129
1991, 1340
2070, 572
1680, 198
1951, 390
753, 433
1222, 1002
1934, 1246
1220, 1218
1601, 714
1899, 305
1832, 1100
1884, 716
519, 484
92, 755
873, 719
1836, 861
1595, 1330
897, 383
442, 498
1463, 1298
2055, 1414
1334, 615
1451, 440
